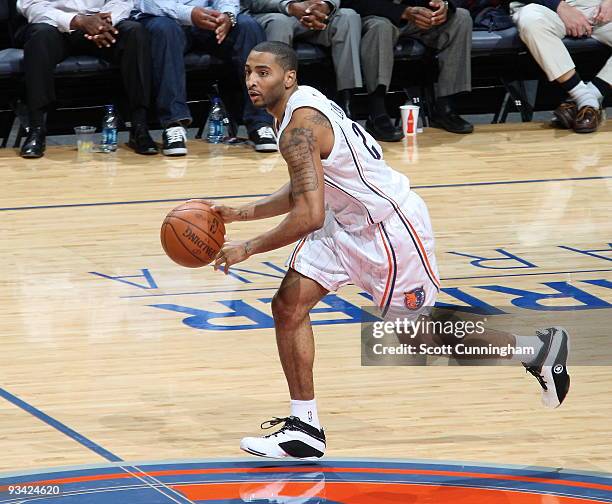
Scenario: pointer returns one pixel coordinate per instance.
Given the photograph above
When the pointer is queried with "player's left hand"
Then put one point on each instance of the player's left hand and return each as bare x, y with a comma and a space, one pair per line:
233, 252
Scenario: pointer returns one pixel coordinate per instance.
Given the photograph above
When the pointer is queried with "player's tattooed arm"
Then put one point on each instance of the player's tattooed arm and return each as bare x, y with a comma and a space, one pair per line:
298, 148
316, 118
299, 145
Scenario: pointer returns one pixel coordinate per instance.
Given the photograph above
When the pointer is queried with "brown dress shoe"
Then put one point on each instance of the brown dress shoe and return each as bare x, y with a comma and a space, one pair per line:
587, 120
565, 115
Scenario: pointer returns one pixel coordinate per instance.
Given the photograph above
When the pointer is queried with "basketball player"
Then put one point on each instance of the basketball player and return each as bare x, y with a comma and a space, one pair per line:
355, 220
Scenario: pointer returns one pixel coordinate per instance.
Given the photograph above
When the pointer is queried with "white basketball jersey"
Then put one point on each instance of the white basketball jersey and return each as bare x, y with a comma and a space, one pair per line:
360, 188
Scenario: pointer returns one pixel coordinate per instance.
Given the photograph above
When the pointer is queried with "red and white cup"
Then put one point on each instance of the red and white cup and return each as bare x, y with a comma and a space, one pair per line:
410, 119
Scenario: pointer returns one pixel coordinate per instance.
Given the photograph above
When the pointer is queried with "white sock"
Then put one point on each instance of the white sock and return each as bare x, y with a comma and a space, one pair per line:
525, 342
306, 411
583, 96
595, 90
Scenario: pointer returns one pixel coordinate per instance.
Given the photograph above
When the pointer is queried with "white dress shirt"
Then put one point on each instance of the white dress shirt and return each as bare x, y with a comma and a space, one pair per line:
59, 13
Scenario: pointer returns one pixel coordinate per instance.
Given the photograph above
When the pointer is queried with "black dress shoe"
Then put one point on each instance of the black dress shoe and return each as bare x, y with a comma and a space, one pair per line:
445, 118
382, 129
34, 145
344, 100
141, 141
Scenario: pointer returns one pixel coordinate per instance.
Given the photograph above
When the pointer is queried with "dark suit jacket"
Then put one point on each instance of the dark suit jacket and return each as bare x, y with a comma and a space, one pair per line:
387, 8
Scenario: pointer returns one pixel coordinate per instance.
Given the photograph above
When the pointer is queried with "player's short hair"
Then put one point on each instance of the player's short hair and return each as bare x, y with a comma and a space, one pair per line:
284, 54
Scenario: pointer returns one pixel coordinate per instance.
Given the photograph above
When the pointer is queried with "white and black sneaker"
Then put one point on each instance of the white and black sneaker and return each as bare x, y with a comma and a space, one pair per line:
174, 141
264, 139
550, 366
295, 439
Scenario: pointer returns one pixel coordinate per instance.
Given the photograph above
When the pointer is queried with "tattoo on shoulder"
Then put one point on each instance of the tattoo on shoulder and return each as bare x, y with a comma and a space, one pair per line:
319, 119
297, 146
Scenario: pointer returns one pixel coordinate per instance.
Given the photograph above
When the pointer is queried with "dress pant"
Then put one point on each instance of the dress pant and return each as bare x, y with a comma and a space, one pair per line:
452, 42
45, 46
343, 35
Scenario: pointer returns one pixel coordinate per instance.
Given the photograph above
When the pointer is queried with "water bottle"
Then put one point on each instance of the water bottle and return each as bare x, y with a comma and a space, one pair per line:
216, 122
109, 130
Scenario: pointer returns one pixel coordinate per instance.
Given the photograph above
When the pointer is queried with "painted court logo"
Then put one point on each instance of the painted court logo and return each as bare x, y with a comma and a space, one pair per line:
414, 299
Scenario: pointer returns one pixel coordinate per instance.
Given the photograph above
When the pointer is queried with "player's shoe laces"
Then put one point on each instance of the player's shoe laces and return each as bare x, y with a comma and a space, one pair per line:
294, 439
550, 367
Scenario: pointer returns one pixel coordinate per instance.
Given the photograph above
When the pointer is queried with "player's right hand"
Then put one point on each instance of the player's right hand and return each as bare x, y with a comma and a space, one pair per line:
228, 214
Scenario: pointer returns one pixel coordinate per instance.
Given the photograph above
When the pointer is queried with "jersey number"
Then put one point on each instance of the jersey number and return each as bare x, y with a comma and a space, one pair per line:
371, 149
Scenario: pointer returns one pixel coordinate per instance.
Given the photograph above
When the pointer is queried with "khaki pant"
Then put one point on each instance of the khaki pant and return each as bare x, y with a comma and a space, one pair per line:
542, 30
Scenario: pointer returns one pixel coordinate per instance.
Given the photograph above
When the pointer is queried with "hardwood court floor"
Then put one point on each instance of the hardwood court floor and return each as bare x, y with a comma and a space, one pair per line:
96, 355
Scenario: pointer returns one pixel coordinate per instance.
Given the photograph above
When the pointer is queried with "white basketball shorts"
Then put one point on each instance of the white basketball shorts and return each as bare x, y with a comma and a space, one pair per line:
392, 260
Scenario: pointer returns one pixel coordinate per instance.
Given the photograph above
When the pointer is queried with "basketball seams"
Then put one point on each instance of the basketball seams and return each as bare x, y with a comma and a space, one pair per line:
178, 238
171, 216
203, 208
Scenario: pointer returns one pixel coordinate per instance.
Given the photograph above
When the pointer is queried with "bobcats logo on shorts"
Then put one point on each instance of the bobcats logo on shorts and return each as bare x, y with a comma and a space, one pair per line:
414, 299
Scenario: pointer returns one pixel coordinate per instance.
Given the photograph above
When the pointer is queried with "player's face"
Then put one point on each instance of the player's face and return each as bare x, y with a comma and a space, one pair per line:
266, 80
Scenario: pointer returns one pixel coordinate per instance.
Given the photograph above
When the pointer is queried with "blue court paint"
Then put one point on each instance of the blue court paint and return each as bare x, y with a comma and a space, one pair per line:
79, 438
225, 291
434, 186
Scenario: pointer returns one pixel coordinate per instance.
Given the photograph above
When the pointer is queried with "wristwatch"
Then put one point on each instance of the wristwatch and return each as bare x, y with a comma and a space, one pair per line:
232, 18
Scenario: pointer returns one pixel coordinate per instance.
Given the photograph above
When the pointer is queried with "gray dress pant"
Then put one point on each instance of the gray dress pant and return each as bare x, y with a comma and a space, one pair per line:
452, 41
343, 35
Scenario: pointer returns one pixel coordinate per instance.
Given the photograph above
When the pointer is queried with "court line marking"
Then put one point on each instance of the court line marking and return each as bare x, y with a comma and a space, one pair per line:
56, 424
226, 291
502, 485
176, 492
88, 443
431, 186
229, 462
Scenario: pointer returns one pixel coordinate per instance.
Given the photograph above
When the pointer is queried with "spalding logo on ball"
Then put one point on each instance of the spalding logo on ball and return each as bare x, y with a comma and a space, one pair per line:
192, 234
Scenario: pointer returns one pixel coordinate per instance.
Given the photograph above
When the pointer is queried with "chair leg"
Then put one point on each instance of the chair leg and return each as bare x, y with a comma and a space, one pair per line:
502, 114
518, 94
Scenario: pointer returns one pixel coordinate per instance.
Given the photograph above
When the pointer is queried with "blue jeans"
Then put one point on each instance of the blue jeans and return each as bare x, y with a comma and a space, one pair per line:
170, 41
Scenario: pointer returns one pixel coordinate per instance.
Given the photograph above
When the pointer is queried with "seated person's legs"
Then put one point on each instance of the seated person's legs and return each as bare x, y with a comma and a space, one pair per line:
343, 36
44, 47
241, 39
132, 52
278, 27
542, 30
453, 42
168, 46
379, 36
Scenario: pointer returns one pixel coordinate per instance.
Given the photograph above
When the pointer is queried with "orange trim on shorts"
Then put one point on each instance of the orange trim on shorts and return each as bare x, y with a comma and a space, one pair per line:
398, 209
390, 268
295, 254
